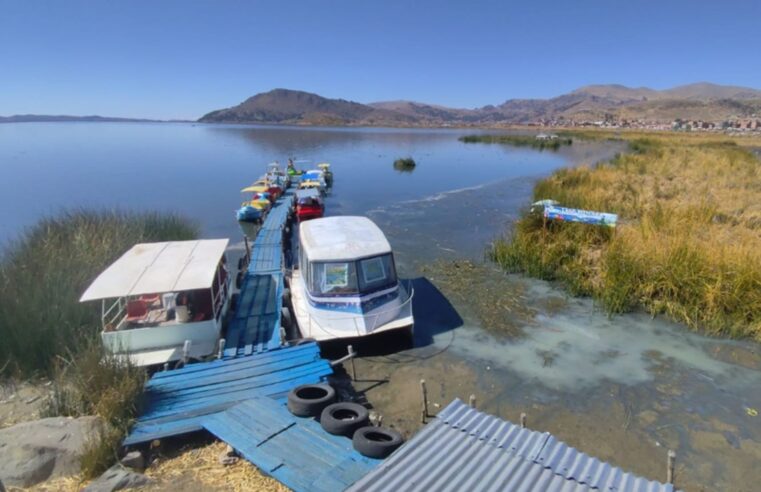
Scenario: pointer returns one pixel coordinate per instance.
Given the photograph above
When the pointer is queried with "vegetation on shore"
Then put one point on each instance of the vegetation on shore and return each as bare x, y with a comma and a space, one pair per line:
405, 164
520, 141
43, 273
688, 243
45, 330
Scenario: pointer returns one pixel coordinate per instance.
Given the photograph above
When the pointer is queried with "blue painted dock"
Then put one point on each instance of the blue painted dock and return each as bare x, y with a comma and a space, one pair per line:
295, 451
176, 401
255, 325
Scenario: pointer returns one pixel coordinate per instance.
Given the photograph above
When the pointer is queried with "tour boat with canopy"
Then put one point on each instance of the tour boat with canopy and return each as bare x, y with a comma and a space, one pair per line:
346, 284
161, 299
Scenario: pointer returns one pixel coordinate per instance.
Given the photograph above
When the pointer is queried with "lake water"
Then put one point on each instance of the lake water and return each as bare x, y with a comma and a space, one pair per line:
624, 389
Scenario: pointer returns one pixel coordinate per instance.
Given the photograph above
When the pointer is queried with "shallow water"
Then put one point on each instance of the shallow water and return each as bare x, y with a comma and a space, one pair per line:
624, 389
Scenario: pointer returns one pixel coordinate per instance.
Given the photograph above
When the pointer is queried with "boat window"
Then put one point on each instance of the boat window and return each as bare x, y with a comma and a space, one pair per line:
377, 272
352, 277
333, 278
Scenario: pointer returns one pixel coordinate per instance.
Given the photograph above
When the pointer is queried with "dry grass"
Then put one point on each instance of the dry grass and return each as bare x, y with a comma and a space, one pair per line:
689, 240
199, 467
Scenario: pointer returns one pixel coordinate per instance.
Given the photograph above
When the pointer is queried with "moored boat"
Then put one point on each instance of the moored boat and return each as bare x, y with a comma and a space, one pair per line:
345, 284
309, 204
313, 179
160, 298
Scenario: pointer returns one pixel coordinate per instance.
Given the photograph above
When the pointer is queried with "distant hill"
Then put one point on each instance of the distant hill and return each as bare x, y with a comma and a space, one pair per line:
695, 101
31, 118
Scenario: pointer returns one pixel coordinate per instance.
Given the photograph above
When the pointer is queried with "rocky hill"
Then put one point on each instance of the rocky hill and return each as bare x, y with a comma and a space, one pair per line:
695, 101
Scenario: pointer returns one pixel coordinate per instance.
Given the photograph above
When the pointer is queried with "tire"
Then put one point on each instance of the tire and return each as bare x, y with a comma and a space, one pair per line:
241, 262
309, 400
234, 302
376, 442
343, 419
239, 279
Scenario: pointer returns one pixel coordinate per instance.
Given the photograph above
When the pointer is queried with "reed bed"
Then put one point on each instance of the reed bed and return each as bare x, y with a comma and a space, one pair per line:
519, 141
688, 244
43, 273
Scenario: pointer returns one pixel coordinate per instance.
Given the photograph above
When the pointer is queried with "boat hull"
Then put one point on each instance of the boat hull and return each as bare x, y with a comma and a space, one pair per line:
358, 317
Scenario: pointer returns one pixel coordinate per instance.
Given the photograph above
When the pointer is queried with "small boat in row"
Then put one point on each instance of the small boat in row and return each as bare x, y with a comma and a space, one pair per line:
265, 191
309, 204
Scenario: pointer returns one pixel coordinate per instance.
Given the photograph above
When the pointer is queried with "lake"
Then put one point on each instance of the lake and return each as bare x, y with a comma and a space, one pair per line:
625, 388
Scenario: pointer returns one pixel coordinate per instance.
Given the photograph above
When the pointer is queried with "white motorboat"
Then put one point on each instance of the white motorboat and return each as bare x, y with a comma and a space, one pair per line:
346, 284
158, 296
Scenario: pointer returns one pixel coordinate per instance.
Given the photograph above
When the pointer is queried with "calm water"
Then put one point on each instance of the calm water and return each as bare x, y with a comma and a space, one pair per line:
199, 169
624, 389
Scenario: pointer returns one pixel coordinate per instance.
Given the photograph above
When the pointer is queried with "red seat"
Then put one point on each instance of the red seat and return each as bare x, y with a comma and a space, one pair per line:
137, 310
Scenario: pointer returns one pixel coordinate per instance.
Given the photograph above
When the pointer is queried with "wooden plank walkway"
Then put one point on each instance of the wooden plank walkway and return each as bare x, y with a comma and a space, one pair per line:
177, 400
295, 451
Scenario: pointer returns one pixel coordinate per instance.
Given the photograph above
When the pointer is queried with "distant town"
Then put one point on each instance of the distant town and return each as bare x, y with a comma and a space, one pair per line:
726, 126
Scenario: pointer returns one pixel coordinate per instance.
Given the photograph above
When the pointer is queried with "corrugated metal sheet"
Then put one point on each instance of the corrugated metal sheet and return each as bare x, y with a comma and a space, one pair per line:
293, 450
464, 449
177, 400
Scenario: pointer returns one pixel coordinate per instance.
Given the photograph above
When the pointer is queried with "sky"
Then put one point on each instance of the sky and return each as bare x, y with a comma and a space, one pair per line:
170, 59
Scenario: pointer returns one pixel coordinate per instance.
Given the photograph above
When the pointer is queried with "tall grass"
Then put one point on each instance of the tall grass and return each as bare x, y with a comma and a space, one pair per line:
519, 141
688, 244
93, 382
44, 272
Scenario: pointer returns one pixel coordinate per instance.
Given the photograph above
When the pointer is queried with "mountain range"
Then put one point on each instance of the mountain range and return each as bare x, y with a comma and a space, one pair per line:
700, 101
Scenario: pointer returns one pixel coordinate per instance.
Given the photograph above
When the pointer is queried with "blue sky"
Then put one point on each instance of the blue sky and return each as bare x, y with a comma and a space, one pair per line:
181, 59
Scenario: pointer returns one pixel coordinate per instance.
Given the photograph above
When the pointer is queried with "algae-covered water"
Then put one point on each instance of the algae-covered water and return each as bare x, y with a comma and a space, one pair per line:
625, 389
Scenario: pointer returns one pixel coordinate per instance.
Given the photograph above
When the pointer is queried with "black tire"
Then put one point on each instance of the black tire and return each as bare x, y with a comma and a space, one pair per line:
342, 419
241, 262
239, 279
234, 302
376, 442
309, 400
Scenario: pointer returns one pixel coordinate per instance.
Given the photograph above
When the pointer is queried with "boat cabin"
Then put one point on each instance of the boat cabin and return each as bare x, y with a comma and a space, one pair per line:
157, 296
346, 283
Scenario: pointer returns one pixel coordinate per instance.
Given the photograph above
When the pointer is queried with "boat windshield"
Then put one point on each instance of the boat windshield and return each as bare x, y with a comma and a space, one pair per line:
352, 277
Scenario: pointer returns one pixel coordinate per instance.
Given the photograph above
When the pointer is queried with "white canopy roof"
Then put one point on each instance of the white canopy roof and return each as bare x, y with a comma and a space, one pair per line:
152, 268
342, 238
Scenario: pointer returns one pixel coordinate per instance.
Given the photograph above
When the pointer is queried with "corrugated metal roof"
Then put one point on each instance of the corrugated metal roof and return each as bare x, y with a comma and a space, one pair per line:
296, 451
464, 449
177, 400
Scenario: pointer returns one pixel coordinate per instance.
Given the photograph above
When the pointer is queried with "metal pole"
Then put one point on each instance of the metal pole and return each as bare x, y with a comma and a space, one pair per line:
472, 401
670, 466
221, 349
186, 351
425, 400
523, 420
353, 367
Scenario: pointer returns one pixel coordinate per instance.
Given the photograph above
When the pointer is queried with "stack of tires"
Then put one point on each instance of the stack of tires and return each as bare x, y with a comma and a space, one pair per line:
343, 419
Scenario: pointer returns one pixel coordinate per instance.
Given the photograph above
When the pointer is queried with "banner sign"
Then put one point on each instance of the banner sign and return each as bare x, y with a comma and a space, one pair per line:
583, 216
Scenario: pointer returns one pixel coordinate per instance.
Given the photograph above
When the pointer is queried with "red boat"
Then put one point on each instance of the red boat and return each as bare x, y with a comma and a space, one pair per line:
309, 204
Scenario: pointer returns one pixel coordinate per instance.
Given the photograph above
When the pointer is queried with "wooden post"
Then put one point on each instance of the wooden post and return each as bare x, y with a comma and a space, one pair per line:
425, 400
472, 401
186, 351
523, 420
670, 466
353, 367
221, 350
